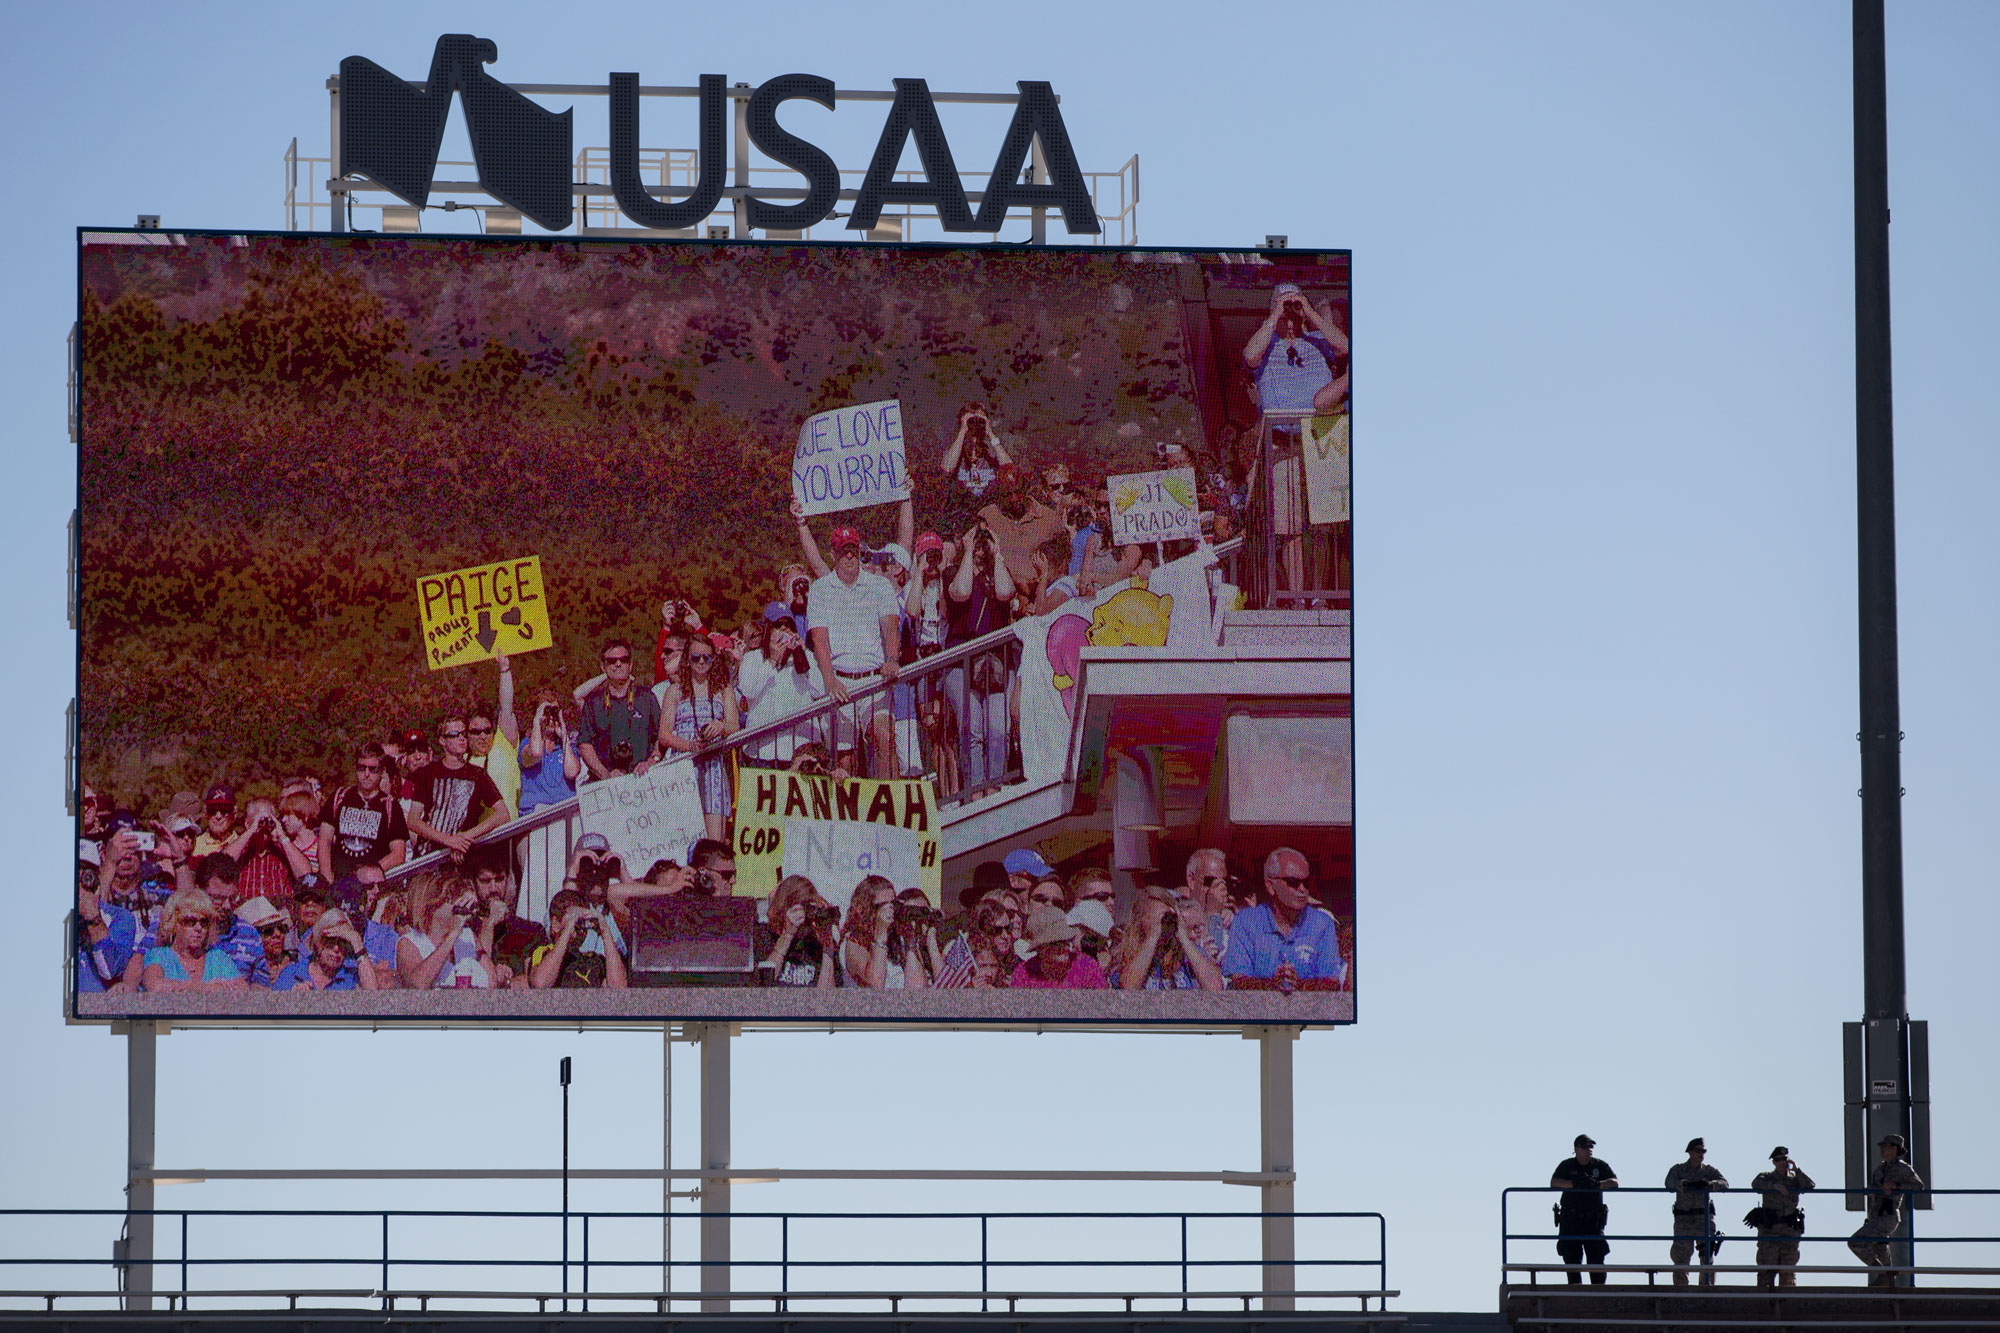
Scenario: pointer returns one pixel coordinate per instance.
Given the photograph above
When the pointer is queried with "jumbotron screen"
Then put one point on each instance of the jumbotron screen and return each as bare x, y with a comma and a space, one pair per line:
547, 630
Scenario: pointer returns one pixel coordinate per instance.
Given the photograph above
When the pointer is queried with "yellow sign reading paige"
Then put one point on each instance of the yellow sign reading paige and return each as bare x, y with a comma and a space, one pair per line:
473, 615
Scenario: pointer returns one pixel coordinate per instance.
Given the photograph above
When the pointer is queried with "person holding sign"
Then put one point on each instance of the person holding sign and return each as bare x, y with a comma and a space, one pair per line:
856, 633
699, 710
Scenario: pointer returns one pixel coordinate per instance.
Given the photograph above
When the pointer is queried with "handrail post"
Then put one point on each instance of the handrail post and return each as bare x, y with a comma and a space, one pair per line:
586, 1263
784, 1255
1184, 1262
985, 1282
716, 1273
1274, 1060
141, 1068
386, 1302
184, 1254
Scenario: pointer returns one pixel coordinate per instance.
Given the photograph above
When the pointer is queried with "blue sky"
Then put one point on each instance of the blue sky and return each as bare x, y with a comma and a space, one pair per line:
1607, 861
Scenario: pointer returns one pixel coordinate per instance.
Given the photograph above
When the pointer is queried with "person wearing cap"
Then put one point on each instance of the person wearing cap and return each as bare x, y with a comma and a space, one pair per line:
106, 934
363, 823
1024, 866
1888, 1181
335, 961
794, 588
856, 637
1694, 1212
1093, 919
1778, 1219
777, 680
1050, 959
218, 821
1161, 948
274, 934
1581, 1214
975, 456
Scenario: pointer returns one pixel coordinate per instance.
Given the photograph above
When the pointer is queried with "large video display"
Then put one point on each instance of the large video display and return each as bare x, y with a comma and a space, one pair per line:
593, 630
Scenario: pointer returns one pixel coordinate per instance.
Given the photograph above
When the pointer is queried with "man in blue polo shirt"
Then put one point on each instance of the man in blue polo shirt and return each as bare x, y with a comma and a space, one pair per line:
1285, 940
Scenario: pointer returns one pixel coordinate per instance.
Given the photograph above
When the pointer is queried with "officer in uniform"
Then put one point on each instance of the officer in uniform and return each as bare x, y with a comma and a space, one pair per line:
1887, 1183
1781, 1222
1694, 1215
1581, 1214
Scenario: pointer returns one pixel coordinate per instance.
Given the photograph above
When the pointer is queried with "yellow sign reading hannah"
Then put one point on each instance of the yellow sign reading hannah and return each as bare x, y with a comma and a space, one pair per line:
836, 832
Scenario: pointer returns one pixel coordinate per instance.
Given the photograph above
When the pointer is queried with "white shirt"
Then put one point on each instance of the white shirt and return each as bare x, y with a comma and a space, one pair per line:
851, 614
774, 692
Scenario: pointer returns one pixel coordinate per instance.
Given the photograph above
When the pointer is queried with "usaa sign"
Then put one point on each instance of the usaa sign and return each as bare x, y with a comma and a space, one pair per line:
390, 132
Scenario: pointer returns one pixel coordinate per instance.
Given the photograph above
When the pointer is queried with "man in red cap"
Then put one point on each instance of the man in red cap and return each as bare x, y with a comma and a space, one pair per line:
856, 623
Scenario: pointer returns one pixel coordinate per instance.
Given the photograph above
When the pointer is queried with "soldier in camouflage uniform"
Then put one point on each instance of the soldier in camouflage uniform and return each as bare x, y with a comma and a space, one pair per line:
1694, 1215
1783, 1221
1887, 1183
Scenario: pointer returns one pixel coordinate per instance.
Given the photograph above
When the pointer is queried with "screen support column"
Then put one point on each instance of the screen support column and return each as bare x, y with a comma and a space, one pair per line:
1274, 1092
715, 1271
141, 1055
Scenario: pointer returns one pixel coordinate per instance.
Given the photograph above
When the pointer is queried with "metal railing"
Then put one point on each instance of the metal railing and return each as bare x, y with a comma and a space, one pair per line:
223, 1257
1270, 579
1735, 1233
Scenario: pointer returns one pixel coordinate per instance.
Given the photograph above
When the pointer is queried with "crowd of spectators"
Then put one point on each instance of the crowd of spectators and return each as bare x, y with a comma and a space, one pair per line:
214, 892
154, 916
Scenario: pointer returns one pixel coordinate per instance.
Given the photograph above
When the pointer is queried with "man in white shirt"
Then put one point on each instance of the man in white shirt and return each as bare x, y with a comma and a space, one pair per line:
856, 623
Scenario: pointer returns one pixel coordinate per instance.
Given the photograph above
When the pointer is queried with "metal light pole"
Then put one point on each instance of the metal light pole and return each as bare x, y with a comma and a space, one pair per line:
1887, 1056
562, 1076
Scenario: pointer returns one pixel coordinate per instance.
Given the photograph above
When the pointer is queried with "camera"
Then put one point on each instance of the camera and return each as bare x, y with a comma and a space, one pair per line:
1170, 922
709, 885
143, 839
267, 825
594, 872
621, 756
800, 590
913, 913
822, 916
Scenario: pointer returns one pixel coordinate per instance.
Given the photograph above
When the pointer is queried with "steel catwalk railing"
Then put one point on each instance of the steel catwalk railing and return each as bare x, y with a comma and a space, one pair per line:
1735, 1232
382, 1261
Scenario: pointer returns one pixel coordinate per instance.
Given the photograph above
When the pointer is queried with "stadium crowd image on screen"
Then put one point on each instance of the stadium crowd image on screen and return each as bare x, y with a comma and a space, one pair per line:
524, 630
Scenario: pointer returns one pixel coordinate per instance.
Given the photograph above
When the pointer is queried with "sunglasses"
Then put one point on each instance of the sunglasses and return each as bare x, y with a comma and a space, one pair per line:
609, 660
479, 731
1296, 881
451, 735
270, 930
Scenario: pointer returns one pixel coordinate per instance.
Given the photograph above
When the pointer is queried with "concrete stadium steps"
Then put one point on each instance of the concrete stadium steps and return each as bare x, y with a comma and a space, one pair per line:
1628, 1309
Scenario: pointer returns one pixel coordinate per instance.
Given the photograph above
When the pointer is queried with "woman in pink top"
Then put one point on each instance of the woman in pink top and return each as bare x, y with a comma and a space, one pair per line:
1052, 959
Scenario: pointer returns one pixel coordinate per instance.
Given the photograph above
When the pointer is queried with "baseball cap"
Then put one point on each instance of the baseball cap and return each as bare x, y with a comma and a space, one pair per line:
87, 853
1092, 916
415, 740
895, 552
219, 794
1026, 861
593, 842
348, 893
1585, 1141
180, 824
1285, 289
120, 820
1891, 1141
925, 544
1695, 1145
1780, 1151
845, 537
